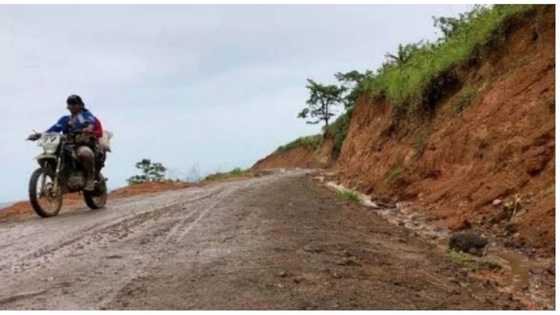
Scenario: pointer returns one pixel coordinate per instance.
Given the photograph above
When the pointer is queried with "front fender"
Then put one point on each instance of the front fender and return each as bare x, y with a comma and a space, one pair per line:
45, 160
45, 156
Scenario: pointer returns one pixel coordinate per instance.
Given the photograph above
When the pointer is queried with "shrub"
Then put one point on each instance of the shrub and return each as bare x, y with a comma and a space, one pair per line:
310, 142
347, 195
151, 172
236, 172
471, 262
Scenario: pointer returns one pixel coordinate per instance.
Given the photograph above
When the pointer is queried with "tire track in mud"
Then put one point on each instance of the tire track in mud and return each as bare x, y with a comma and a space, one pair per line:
98, 236
126, 245
293, 245
175, 234
93, 235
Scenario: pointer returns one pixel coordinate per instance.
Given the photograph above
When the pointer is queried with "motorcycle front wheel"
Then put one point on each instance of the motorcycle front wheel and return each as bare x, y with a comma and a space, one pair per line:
45, 200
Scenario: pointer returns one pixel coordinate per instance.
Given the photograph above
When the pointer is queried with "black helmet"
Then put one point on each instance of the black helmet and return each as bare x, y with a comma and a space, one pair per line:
74, 100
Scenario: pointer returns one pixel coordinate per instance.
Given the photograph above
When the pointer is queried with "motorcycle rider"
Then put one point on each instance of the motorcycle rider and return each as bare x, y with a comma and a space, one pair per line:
81, 122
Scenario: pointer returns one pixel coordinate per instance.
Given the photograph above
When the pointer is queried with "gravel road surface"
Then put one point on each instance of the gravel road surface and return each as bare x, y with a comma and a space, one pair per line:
280, 241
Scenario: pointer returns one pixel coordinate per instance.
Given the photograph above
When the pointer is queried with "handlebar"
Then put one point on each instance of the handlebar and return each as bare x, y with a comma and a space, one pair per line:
68, 136
34, 137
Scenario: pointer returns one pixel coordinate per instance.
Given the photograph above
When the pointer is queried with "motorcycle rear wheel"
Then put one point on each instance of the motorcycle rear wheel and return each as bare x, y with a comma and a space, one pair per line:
98, 198
46, 202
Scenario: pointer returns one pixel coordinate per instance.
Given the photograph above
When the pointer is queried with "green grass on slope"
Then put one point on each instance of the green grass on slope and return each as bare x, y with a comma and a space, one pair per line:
418, 70
236, 172
311, 142
417, 75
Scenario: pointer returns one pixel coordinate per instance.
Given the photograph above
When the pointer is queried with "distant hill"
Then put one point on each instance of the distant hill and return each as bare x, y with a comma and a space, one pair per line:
5, 204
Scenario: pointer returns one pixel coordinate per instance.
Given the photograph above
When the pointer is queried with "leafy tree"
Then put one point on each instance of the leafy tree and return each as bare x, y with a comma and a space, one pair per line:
353, 76
404, 53
321, 100
151, 172
450, 26
352, 81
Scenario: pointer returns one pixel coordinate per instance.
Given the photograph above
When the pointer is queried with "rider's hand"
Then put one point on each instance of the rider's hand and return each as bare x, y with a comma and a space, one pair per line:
34, 136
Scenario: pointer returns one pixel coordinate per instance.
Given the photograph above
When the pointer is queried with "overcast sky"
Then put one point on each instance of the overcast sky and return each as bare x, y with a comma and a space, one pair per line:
212, 86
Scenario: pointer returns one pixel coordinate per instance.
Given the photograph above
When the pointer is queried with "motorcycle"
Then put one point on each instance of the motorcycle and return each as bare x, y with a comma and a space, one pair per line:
60, 173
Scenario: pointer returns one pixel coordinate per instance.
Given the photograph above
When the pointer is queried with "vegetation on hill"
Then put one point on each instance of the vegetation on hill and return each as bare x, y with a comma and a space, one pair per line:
150, 172
311, 142
236, 172
322, 99
415, 77
412, 79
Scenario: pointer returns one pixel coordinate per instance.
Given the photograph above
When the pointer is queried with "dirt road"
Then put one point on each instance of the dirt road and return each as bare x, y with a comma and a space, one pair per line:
280, 241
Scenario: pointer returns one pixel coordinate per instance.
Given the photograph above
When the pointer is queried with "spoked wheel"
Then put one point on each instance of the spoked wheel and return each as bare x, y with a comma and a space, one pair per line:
45, 200
98, 198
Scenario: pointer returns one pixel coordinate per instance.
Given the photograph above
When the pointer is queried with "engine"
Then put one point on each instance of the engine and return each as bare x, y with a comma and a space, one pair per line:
75, 181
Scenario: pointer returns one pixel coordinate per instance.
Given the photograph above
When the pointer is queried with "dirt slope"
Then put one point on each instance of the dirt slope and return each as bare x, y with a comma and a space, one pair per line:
301, 156
230, 246
491, 137
457, 163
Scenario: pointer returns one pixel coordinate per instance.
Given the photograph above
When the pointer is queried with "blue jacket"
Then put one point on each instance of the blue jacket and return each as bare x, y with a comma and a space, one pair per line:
68, 124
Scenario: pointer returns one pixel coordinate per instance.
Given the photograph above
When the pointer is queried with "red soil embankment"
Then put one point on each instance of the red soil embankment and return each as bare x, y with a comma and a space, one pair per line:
455, 165
490, 139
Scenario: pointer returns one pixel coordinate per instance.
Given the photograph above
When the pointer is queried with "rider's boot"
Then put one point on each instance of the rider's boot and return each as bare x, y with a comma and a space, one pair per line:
87, 159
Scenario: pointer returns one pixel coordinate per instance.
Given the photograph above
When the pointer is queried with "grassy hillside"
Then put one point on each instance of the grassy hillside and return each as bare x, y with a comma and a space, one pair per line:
412, 78
311, 142
415, 77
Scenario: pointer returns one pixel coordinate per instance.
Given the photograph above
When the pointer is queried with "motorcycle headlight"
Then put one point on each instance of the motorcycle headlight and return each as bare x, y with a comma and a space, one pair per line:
50, 143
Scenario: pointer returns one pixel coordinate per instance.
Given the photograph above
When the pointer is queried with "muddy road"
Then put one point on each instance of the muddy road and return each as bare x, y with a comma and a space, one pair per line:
280, 241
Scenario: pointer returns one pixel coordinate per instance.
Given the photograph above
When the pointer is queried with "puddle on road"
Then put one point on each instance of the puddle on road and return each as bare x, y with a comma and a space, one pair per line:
519, 265
525, 280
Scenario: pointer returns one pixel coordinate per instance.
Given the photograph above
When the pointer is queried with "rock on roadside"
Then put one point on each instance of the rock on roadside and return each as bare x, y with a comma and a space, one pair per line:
469, 242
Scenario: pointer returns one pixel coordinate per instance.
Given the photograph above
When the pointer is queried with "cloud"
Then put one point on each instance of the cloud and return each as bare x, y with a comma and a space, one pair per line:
216, 86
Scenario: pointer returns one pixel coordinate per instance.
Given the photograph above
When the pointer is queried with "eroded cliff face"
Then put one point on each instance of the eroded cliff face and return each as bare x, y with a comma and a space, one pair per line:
490, 138
489, 142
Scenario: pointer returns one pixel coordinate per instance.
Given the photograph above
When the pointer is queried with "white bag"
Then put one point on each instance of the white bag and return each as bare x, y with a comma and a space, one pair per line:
105, 141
